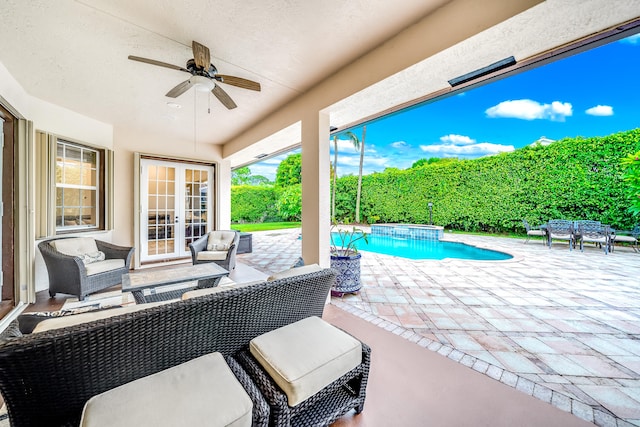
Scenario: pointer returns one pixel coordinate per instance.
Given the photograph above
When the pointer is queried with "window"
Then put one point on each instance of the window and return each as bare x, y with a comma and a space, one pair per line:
79, 195
74, 190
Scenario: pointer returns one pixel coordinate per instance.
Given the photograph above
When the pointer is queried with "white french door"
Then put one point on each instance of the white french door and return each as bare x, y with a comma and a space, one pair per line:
176, 202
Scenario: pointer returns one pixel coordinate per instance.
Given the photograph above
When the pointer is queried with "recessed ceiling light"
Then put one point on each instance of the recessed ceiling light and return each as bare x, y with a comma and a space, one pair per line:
174, 105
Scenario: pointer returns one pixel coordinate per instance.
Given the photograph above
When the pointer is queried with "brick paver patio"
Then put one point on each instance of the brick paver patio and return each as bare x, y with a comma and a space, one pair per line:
562, 326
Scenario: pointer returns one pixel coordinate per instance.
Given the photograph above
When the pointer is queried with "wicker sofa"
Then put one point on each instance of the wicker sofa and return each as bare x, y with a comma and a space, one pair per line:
46, 377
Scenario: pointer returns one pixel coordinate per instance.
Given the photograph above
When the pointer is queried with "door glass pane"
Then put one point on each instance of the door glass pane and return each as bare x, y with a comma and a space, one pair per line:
195, 221
161, 210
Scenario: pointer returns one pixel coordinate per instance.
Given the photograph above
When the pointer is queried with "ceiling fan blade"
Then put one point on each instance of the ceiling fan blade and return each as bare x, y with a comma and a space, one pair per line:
160, 63
223, 97
238, 81
201, 54
180, 89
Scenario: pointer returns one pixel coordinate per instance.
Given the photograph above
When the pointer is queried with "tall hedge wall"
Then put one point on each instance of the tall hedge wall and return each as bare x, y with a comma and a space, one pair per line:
250, 203
575, 178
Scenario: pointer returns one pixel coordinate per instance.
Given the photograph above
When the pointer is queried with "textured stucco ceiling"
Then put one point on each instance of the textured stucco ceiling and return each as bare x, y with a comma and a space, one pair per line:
74, 53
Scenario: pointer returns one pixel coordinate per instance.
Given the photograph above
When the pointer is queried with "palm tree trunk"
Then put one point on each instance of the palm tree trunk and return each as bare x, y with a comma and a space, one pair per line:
335, 176
359, 193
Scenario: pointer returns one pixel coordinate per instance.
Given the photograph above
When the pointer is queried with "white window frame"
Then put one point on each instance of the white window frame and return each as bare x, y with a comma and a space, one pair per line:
98, 196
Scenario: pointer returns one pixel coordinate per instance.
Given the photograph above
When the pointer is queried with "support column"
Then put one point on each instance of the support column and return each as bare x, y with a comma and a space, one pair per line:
316, 219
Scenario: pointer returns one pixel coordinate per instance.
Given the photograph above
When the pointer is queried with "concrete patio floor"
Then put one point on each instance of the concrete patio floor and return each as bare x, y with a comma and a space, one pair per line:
560, 325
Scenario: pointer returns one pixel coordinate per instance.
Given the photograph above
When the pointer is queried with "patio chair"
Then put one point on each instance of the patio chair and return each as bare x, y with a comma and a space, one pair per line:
533, 231
81, 266
561, 229
219, 246
594, 232
626, 236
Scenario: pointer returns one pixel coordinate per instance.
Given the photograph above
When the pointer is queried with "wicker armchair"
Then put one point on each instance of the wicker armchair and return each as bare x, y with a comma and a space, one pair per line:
219, 246
68, 274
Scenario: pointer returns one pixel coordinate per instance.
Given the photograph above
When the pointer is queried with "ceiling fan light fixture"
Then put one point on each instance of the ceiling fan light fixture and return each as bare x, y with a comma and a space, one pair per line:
202, 83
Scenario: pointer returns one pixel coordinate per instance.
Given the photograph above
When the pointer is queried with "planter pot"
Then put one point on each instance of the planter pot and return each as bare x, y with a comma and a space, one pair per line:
348, 278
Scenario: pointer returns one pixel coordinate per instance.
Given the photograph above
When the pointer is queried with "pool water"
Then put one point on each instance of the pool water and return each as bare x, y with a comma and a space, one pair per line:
425, 249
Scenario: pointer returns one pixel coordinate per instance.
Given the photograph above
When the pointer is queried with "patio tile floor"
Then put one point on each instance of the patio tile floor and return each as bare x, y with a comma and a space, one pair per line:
563, 326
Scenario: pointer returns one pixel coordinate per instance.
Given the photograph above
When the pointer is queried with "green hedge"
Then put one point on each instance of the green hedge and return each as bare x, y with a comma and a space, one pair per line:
251, 203
575, 178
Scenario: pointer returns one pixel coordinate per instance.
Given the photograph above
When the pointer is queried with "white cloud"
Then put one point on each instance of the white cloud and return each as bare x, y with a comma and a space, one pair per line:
457, 139
345, 146
527, 109
355, 161
600, 110
399, 144
634, 39
466, 151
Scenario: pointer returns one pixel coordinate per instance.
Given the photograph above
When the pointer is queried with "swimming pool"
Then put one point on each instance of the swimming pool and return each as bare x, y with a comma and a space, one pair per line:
426, 249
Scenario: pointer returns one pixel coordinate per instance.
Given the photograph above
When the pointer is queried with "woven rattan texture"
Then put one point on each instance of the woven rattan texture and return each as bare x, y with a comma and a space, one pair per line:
67, 274
346, 393
46, 378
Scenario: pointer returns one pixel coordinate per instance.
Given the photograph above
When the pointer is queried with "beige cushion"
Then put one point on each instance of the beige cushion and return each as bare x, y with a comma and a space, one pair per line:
76, 246
625, 239
306, 356
102, 266
220, 288
212, 255
292, 272
76, 319
201, 392
220, 240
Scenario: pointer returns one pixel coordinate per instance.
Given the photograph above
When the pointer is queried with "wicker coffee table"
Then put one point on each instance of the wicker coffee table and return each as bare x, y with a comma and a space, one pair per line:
207, 275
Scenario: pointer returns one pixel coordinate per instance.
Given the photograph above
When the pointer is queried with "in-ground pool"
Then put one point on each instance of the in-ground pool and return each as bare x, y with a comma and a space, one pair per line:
412, 248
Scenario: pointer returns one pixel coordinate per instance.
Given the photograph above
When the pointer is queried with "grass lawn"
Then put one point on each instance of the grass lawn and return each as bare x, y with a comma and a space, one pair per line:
264, 226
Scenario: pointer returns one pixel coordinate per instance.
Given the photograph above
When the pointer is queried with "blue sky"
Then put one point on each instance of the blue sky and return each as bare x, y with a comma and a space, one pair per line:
594, 93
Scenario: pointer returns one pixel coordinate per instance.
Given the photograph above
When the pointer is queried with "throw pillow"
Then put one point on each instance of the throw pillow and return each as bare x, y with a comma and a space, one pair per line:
218, 247
93, 257
28, 321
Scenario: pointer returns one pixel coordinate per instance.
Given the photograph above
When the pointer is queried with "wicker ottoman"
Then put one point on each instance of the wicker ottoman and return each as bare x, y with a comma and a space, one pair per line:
204, 391
310, 372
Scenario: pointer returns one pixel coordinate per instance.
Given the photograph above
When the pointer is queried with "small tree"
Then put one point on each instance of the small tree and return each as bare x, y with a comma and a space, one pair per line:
289, 171
290, 203
241, 176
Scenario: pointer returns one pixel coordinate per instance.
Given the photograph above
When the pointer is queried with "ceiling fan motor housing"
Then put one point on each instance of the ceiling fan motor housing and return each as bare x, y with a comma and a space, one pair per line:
200, 71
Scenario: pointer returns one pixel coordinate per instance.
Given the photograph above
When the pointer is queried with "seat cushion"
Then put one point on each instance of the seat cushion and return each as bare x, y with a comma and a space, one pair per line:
200, 392
76, 319
296, 271
102, 266
222, 287
75, 246
630, 239
220, 240
306, 356
212, 256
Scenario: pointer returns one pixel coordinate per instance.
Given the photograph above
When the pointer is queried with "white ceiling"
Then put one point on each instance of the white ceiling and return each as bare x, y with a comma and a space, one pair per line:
74, 54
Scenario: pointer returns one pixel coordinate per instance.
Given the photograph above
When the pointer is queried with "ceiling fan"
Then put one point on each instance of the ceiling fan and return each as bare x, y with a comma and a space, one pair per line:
203, 73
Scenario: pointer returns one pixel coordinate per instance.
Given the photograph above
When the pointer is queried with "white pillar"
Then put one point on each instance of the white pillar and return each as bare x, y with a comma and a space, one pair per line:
316, 220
